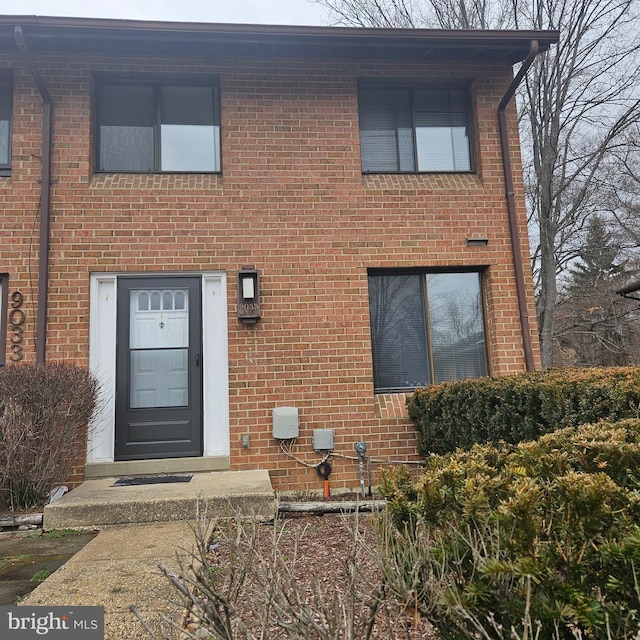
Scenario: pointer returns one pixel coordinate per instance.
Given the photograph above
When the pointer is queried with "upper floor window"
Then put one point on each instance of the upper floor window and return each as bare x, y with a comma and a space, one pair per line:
426, 328
6, 110
157, 127
411, 129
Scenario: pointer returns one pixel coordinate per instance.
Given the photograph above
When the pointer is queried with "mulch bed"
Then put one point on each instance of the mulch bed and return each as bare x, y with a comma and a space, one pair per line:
319, 547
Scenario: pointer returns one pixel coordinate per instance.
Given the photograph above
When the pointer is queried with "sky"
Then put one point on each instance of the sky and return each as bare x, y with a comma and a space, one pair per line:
303, 12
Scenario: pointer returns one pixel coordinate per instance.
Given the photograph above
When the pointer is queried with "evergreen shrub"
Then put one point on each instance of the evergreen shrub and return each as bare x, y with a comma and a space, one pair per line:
539, 539
521, 407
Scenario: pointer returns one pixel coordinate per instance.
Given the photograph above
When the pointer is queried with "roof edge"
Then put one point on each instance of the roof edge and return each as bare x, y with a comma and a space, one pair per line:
45, 34
544, 37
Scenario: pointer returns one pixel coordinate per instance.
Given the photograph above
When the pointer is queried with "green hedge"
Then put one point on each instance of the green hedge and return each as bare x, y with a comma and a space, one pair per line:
522, 407
546, 532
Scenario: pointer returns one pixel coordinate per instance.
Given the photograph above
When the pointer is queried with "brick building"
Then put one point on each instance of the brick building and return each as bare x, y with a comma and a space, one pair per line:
225, 220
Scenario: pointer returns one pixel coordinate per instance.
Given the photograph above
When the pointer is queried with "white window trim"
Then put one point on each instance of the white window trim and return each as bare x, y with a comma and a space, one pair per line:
4, 304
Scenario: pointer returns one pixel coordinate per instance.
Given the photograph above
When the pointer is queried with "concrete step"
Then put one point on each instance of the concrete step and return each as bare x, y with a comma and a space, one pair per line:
97, 503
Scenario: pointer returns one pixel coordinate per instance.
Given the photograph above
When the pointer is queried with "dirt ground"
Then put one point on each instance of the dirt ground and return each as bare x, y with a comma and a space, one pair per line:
316, 549
24, 558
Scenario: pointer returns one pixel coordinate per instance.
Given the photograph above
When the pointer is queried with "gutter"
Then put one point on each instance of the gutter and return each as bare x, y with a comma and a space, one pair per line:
45, 196
516, 247
78, 35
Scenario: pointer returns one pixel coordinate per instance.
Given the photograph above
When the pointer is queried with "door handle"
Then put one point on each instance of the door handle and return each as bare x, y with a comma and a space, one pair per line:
197, 359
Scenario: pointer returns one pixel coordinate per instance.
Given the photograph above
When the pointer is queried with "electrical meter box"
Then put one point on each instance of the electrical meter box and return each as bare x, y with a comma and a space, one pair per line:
285, 423
323, 439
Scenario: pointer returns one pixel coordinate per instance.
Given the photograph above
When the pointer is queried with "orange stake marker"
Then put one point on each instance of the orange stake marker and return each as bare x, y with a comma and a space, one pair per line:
324, 471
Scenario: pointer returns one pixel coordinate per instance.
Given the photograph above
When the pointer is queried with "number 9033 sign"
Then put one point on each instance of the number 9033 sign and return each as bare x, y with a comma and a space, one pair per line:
16, 322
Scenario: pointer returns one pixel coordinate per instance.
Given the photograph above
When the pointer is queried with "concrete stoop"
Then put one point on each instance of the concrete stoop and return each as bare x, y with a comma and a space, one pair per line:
96, 503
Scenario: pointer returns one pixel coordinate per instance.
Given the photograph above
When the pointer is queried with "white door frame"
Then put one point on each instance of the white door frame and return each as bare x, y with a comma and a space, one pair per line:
102, 362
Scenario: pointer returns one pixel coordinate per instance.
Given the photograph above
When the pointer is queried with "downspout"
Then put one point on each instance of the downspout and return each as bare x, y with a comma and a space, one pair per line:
511, 206
45, 196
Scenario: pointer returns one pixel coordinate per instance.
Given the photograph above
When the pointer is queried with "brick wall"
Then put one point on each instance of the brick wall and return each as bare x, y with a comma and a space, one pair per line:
292, 201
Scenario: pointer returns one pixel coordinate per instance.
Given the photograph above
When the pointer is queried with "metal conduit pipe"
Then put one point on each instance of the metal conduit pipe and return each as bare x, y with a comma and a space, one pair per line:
45, 196
511, 206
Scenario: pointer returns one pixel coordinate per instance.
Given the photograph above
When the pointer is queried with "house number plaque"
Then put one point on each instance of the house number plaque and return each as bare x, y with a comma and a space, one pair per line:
16, 320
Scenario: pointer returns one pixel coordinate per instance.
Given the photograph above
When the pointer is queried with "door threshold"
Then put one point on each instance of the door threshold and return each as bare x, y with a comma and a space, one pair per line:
160, 465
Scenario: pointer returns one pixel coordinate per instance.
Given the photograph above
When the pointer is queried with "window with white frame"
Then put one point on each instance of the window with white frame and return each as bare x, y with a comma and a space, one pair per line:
155, 126
426, 328
6, 112
414, 129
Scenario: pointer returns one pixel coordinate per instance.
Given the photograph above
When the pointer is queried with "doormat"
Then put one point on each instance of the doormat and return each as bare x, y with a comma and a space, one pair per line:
159, 479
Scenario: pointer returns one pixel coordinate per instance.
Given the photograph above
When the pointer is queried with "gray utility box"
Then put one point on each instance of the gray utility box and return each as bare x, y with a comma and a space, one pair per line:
285, 423
323, 439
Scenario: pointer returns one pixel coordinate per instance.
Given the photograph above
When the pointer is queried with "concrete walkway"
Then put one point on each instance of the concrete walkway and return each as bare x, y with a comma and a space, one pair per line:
97, 503
117, 569
140, 527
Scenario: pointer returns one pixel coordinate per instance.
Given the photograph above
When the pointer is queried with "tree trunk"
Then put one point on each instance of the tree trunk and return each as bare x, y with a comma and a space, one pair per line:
548, 298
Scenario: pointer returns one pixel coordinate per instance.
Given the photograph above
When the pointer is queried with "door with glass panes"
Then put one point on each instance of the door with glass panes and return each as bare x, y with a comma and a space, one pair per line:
158, 368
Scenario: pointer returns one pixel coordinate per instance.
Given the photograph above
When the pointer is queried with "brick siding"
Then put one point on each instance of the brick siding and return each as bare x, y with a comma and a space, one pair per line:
291, 200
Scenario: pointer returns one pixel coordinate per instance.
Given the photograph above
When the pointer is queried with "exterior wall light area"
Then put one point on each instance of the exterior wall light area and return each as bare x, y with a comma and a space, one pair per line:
248, 295
477, 242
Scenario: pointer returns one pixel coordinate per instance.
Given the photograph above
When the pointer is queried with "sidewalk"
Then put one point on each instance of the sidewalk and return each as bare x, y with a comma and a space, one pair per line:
141, 526
119, 568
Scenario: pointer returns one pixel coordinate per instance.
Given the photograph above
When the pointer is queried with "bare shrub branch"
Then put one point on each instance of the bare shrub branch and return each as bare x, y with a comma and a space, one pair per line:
244, 562
45, 412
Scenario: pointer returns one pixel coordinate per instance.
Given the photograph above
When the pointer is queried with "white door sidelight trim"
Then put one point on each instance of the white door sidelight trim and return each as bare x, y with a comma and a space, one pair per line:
102, 362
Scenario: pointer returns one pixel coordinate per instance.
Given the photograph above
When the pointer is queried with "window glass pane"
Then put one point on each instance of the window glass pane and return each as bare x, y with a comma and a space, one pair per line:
187, 105
409, 130
153, 327
456, 325
386, 137
5, 120
460, 148
190, 137
398, 333
126, 115
404, 128
189, 148
4, 142
460, 130
126, 105
126, 149
159, 353
378, 145
159, 378
442, 136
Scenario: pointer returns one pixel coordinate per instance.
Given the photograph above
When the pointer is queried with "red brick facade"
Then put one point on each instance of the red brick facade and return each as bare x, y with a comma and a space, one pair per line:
291, 199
